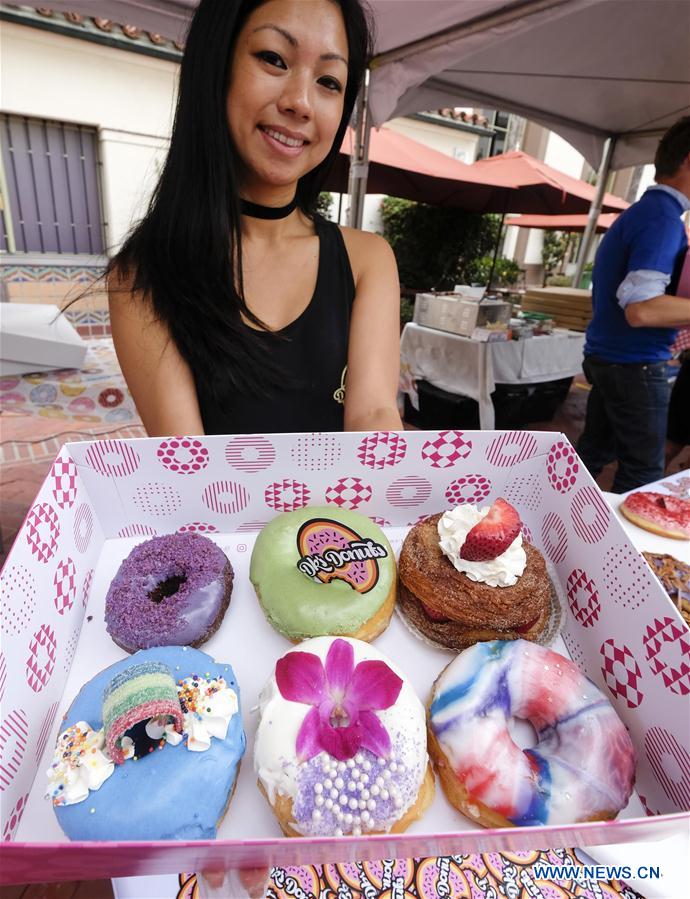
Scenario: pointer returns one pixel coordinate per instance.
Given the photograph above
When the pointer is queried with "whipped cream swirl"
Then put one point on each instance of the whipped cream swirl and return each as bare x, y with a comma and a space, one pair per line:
208, 706
79, 764
503, 571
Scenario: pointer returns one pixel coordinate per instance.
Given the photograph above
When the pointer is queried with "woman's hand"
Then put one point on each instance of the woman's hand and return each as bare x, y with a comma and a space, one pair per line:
158, 378
374, 348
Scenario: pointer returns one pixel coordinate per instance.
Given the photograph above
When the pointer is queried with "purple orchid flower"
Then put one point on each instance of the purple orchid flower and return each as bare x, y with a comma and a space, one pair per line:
343, 696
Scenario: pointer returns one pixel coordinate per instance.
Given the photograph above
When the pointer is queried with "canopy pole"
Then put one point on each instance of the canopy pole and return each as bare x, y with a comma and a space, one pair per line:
496, 247
594, 209
359, 158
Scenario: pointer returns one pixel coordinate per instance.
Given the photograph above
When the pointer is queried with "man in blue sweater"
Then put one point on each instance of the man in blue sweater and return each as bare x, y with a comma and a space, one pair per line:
635, 314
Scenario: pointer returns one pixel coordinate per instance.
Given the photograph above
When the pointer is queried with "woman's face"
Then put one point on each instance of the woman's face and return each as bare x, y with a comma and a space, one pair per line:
286, 92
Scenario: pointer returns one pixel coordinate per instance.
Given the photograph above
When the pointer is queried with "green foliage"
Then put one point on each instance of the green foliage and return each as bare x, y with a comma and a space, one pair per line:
506, 272
553, 249
436, 248
559, 281
324, 204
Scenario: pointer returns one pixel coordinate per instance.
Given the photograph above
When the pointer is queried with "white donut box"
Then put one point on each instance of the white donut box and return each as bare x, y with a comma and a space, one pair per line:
102, 498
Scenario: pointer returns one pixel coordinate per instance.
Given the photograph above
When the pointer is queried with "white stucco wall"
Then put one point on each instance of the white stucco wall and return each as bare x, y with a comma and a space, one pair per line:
127, 96
460, 145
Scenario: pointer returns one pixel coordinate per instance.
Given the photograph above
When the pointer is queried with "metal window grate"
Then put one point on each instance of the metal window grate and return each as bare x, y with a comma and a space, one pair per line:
51, 174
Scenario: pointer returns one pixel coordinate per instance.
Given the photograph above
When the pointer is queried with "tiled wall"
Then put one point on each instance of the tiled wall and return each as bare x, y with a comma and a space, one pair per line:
58, 285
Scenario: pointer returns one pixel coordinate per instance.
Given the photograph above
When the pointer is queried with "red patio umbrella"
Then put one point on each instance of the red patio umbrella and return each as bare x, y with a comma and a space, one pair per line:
562, 222
402, 167
513, 182
539, 188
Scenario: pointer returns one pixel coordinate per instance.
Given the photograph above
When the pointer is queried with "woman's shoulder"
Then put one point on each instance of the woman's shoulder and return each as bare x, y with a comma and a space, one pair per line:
367, 251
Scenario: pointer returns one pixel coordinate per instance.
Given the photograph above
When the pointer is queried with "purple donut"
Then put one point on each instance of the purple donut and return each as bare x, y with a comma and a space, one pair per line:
169, 591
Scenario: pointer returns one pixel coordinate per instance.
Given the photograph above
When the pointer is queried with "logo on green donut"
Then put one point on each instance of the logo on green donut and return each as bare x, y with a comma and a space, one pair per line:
329, 550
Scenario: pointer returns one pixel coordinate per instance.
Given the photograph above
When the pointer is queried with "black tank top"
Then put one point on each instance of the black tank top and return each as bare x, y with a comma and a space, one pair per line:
312, 353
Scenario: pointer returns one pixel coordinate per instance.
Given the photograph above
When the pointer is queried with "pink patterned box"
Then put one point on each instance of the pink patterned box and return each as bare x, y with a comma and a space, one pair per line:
102, 498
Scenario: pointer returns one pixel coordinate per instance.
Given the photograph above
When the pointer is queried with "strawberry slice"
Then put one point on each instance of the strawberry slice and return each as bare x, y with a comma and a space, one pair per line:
493, 534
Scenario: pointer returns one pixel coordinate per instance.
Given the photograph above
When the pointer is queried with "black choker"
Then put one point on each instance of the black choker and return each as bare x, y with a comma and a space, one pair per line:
257, 211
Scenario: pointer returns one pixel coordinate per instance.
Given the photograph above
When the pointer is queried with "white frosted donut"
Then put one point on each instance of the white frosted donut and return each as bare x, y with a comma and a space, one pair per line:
583, 766
341, 745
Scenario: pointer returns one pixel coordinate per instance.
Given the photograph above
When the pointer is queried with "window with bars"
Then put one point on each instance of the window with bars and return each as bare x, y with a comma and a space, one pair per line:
50, 187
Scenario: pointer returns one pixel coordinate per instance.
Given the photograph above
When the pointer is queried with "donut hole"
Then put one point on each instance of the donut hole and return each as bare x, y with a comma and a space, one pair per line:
166, 588
522, 733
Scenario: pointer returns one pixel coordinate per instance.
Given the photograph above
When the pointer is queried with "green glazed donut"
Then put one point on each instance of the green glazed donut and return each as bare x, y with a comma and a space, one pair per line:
322, 571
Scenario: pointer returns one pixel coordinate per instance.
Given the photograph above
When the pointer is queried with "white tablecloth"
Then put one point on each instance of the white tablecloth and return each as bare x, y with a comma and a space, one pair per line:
472, 368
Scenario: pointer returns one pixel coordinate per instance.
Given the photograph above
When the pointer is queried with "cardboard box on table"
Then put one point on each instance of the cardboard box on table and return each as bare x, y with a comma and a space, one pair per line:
102, 498
37, 338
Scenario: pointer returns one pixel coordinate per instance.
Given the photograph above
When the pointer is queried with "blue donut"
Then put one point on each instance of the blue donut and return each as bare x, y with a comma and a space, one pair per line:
171, 794
43, 394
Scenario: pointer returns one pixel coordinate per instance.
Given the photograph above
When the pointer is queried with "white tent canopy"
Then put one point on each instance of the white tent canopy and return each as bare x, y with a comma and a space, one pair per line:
587, 69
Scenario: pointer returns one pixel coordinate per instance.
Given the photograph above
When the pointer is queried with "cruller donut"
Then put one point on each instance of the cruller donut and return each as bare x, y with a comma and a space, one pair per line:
322, 570
582, 768
169, 591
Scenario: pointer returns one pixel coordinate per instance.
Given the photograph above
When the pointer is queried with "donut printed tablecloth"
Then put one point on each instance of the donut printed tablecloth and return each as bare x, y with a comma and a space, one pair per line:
622, 628
95, 393
475, 876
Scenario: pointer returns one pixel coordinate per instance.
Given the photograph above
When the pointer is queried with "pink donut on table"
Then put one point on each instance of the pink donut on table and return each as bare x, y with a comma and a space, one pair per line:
660, 513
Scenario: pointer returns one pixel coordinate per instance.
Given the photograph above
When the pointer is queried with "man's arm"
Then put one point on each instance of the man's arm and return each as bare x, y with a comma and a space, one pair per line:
664, 311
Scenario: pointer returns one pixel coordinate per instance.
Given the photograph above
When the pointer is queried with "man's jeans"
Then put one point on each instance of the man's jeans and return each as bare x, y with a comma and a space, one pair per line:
627, 410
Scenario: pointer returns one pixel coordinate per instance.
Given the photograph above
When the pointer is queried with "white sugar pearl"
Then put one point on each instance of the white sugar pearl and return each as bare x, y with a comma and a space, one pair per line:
332, 771
315, 815
355, 773
365, 794
328, 783
353, 804
365, 817
338, 832
371, 805
348, 818
339, 815
339, 783
386, 774
382, 762
328, 803
394, 767
384, 794
334, 793
343, 800
375, 790
365, 778
351, 786
379, 780
361, 804
318, 788
350, 763
341, 767
319, 800
397, 802
356, 831
366, 764
359, 758
359, 787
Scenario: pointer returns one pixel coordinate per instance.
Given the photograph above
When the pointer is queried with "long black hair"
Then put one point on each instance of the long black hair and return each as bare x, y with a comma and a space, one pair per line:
184, 256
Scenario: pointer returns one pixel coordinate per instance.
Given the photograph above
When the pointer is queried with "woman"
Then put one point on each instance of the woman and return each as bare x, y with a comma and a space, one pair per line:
233, 308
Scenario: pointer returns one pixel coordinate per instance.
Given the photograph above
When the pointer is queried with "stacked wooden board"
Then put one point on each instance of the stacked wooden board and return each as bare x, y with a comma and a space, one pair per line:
567, 306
